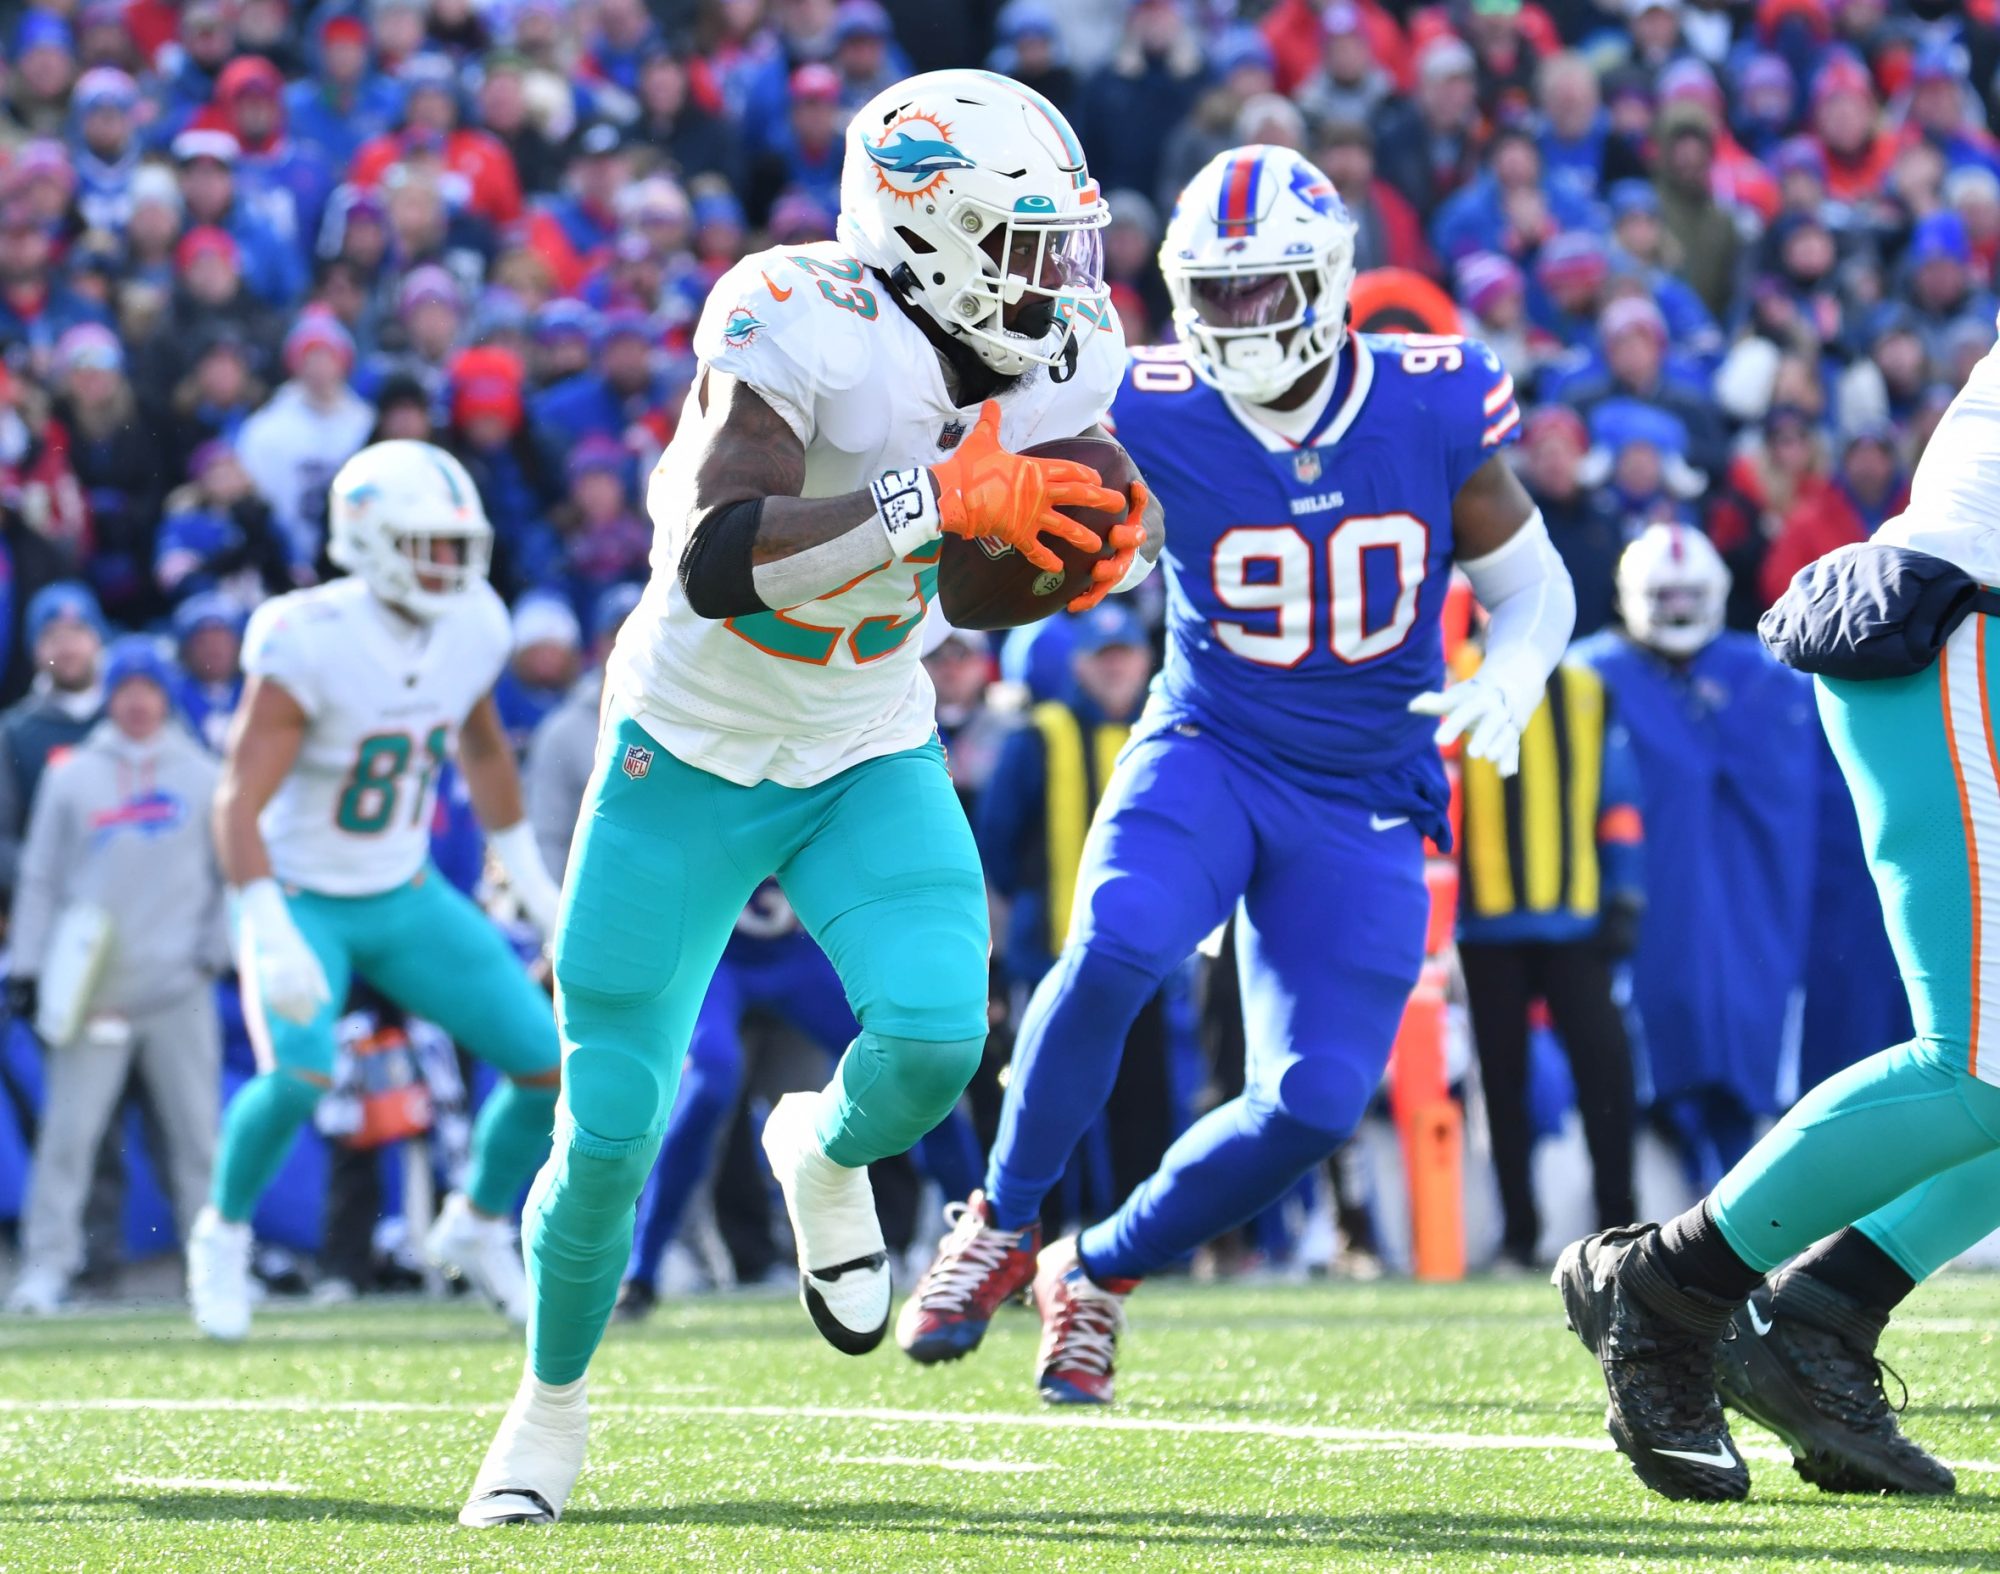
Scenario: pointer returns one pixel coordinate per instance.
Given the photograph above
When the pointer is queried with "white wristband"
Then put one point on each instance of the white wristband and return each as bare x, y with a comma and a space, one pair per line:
907, 507
261, 904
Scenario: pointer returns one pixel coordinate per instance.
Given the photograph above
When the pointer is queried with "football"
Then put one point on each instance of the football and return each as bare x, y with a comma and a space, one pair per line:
984, 585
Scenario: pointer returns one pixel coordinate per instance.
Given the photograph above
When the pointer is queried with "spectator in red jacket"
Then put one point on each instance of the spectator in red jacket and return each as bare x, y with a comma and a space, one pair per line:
1296, 31
1870, 490
1848, 124
431, 110
1391, 236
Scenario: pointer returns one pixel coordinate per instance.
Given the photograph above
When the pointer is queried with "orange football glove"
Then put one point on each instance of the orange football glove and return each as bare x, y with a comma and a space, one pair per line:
984, 491
1126, 538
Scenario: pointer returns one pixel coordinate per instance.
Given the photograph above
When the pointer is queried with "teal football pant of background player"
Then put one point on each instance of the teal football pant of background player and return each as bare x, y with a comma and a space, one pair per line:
428, 947
1906, 1144
879, 864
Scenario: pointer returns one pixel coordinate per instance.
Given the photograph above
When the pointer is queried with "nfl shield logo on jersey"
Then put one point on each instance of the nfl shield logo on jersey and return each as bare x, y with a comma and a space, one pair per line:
1305, 464
638, 761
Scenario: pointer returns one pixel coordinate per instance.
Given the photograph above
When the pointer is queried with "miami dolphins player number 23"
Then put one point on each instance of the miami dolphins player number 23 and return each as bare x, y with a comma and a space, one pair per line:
767, 713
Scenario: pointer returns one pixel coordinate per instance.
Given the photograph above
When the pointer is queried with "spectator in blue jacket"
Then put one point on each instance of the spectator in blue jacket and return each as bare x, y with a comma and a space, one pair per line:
1147, 86
345, 102
207, 44
618, 391
285, 181
805, 152
273, 266
36, 307
1508, 208
208, 635
105, 147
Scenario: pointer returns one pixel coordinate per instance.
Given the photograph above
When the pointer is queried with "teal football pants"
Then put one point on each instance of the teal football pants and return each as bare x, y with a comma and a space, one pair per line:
1906, 1144
428, 947
880, 866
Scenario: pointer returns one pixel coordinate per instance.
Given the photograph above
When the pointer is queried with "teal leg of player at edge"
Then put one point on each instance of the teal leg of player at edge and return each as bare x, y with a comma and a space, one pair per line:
1928, 1226
1863, 1144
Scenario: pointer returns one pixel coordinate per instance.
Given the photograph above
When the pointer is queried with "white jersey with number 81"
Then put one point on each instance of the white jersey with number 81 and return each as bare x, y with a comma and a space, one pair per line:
384, 698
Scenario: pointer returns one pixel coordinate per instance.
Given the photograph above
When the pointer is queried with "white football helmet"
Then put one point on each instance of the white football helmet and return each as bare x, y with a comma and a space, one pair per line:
389, 510
1258, 259
1672, 589
969, 191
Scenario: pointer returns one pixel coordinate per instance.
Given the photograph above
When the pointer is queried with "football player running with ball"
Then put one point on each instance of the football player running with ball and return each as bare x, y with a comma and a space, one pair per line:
359, 691
1322, 484
767, 713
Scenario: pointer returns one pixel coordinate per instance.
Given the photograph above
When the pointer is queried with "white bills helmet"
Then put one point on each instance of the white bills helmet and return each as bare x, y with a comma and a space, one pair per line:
1672, 589
969, 192
404, 517
1258, 260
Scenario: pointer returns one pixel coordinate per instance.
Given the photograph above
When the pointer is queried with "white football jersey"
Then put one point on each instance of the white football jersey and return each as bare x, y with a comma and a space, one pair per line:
1954, 510
796, 696
384, 699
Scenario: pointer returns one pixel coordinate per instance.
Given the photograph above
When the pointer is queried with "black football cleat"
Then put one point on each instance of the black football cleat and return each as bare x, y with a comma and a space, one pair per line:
1803, 1365
1656, 1343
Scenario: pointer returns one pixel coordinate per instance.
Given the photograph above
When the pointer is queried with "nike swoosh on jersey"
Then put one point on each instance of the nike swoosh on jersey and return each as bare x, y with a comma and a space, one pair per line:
776, 293
1387, 822
1720, 1456
1758, 1321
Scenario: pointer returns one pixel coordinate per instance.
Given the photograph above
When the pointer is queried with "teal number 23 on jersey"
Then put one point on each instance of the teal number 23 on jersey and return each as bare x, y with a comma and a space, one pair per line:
791, 637
368, 804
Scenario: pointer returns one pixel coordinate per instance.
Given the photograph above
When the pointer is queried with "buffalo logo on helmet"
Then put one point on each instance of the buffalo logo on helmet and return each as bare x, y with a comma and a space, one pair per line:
914, 156
1314, 189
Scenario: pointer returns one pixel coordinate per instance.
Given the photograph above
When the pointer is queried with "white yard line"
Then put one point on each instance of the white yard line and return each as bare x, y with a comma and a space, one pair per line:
1341, 1438
970, 1467
204, 1484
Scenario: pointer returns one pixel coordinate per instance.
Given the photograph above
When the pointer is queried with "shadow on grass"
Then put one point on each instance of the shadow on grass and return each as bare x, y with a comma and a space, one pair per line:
1436, 1533
192, 1507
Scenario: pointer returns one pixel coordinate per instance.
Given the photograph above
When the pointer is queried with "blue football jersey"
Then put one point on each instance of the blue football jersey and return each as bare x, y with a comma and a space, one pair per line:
1305, 580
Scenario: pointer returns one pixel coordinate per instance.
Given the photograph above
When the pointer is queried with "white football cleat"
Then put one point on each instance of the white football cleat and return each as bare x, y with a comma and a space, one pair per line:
218, 1276
534, 1459
39, 1292
843, 1263
482, 1252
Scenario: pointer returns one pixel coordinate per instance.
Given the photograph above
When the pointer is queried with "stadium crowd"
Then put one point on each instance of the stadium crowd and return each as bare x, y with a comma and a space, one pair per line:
1737, 258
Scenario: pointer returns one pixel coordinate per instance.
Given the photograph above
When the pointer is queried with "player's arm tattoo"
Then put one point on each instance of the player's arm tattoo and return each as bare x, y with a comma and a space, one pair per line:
1155, 517
752, 542
1489, 509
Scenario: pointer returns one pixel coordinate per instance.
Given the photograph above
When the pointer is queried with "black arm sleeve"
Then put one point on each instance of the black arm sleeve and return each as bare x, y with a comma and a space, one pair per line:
715, 567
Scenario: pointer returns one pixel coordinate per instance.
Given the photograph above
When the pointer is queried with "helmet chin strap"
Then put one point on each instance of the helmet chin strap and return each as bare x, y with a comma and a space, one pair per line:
970, 379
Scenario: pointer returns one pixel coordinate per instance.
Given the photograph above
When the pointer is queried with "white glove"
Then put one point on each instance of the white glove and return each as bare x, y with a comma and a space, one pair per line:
1477, 711
274, 956
527, 876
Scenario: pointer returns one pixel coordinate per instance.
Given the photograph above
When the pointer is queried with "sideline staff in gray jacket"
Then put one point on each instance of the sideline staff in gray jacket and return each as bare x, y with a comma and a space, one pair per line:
121, 825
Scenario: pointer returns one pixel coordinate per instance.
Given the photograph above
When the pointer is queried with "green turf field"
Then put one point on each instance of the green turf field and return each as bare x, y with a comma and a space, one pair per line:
1281, 1428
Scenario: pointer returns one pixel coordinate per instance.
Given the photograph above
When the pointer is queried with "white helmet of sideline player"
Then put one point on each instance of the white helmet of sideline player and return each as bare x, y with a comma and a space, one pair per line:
1258, 259
969, 192
1672, 590
405, 518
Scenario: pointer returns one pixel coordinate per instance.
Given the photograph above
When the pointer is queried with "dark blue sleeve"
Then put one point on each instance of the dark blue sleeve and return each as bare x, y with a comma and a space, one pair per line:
1621, 825
1010, 804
